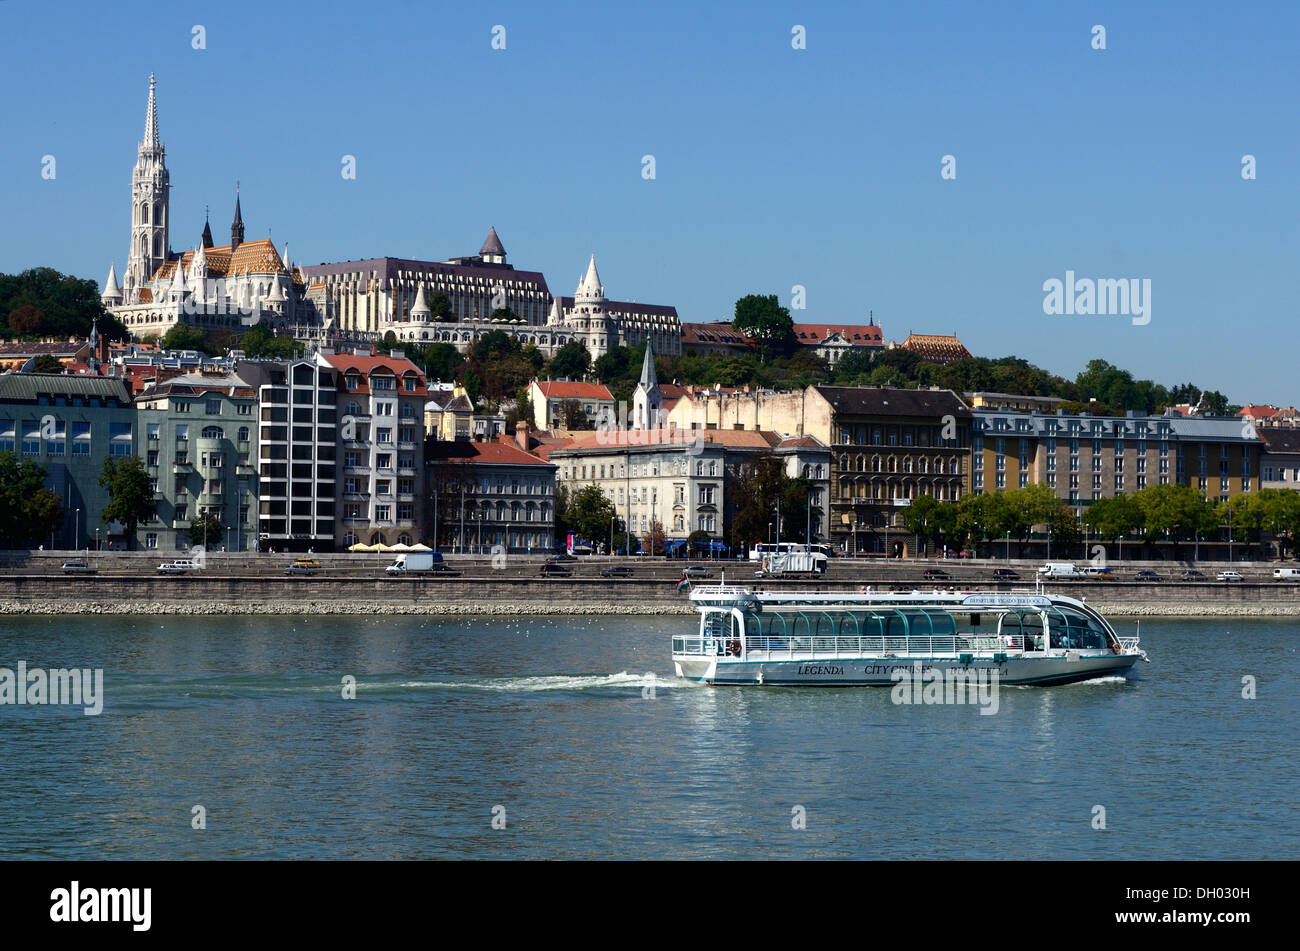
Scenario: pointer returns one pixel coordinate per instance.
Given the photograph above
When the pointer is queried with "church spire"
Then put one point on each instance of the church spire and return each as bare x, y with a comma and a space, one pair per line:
236, 226
206, 242
648, 379
151, 117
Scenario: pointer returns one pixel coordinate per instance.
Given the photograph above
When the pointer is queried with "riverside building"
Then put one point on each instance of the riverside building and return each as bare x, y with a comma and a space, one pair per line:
381, 405
70, 425
200, 447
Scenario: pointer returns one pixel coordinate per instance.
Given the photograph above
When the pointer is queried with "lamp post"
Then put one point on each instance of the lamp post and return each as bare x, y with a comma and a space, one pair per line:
1049, 544
460, 545
1121, 548
1008, 556
76, 532
612, 520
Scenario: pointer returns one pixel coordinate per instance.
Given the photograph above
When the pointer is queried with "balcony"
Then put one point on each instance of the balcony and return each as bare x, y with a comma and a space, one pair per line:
182, 468
180, 523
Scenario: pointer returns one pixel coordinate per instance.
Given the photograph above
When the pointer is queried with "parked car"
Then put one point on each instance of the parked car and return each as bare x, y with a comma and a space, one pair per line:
1191, 574
562, 556
442, 568
297, 569
1286, 574
78, 568
695, 571
553, 570
617, 571
1229, 576
936, 574
1097, 571
177, 567
1147, 576
1005, 574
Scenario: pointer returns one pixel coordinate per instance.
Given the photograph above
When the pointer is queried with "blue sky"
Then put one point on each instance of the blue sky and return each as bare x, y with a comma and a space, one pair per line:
774, 167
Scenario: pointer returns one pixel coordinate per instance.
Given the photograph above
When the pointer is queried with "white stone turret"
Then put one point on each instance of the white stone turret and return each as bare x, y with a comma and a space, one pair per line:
420, 310
112, 293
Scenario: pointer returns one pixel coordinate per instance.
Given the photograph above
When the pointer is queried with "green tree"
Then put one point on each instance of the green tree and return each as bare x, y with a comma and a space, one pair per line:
573, 417
182, 336
931, 520
29, 512
442, 361
763, 318
440, 306
47, 364
1111, 517
261, 341
571, 361
761, 486
53, 304
130, 497
588, 514
206, 530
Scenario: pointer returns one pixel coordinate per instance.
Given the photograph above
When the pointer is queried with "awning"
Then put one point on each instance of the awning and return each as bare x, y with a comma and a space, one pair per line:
360, 546
420, 546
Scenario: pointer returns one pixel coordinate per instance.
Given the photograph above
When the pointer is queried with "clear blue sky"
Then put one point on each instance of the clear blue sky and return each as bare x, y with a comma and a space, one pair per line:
774, 167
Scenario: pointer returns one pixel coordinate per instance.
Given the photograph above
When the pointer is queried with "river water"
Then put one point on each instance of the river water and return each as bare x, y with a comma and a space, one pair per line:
573, 735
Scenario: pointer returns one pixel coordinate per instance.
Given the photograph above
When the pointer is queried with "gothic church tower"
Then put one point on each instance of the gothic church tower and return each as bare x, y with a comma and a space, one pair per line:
150, 216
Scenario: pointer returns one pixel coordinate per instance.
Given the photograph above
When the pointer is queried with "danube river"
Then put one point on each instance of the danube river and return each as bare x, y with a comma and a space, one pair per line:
551, 730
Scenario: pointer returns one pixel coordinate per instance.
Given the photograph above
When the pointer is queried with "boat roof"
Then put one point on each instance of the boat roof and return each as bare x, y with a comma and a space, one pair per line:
734, 596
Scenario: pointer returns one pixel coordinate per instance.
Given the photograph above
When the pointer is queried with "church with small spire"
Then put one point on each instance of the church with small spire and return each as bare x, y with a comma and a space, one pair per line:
229, 287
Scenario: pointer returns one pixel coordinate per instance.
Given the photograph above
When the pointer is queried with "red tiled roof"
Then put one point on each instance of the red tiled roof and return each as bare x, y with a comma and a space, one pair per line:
1259, 411
567, 390
858, 334
400, 368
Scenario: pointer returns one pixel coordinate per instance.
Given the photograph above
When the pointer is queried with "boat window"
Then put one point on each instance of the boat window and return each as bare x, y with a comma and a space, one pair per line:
896, 626
1074, 630
942, 623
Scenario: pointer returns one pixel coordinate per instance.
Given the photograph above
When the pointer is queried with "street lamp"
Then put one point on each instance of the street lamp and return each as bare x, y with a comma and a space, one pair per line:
1049, 544
76, 532
1008, 545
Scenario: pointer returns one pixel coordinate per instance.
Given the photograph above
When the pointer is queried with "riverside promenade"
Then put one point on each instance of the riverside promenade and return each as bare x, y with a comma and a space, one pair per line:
129, 583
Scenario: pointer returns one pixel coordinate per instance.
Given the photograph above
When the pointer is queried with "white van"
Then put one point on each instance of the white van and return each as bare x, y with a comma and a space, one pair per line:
1056, 569
1286, 574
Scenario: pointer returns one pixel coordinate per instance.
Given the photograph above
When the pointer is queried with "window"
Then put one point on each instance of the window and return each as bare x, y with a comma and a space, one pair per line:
31, 438
182, 433
152, 432
151, 540
181, 407
212, 407
383, 513
119, 435
706, 494
81, 439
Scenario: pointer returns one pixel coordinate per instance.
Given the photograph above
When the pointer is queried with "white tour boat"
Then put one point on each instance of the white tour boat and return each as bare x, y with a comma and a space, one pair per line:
843, 639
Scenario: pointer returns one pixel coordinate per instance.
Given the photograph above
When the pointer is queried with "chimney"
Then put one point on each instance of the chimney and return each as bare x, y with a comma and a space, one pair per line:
521, 435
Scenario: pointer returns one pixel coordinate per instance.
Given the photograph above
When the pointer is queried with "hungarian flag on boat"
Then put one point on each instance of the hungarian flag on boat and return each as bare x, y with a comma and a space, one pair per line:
684, 584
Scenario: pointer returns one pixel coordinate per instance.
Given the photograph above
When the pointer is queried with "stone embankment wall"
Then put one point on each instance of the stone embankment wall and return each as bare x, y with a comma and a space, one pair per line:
482, 592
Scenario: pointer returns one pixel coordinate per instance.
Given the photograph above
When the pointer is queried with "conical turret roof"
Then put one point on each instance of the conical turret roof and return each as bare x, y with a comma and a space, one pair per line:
492, 244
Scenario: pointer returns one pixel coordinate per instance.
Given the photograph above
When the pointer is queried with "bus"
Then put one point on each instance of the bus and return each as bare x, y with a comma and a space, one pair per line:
769, 548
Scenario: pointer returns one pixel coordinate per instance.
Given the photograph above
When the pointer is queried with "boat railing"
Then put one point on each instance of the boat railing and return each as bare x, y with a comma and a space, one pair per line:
720, 591
849, 646
1129, 644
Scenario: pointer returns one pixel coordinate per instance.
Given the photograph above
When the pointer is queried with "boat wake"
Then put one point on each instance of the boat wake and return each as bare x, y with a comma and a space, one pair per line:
545, 683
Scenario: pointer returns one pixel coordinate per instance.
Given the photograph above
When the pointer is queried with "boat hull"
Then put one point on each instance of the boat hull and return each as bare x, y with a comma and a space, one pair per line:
888, 671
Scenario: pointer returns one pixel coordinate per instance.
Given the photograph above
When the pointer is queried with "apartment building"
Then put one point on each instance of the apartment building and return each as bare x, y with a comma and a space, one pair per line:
381, 405
297, 451
70, 425
1084, 458
200, 448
